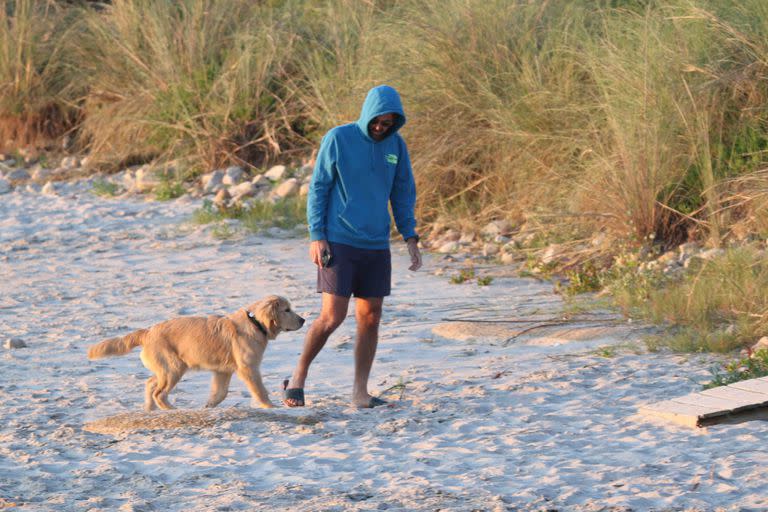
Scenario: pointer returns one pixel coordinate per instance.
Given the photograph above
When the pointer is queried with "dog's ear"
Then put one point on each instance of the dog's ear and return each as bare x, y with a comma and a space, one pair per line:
269, 314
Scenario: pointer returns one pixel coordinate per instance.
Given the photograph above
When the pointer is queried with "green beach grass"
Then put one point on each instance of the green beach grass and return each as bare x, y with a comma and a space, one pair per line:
256, 216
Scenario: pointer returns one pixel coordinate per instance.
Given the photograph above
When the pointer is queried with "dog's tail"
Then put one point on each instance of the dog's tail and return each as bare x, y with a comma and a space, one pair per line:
117, 346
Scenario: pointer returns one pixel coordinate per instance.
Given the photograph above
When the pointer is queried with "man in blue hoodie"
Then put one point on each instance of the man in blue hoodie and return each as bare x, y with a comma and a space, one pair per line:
361, 169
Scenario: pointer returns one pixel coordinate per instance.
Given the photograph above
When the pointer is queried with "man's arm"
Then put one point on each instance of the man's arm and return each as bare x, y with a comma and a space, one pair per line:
403, 195
317, 197
403, 200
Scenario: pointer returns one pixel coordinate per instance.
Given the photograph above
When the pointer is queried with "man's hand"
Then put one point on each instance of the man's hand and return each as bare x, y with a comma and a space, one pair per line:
413, 250
316, 249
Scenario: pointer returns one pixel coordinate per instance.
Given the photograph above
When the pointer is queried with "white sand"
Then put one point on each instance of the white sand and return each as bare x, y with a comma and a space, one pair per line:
542, 422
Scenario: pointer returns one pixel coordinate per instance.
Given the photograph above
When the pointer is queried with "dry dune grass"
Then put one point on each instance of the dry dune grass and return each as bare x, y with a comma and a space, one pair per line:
36, 94
623, 116
188, 419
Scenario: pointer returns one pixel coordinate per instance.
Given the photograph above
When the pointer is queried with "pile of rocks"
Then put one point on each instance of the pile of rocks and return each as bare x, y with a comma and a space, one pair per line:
502, 242
227, 187
233, 185
493, 242
681, 257
33, 176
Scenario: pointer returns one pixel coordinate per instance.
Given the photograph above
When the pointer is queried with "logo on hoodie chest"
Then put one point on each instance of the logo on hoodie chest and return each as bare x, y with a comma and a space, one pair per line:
391, 158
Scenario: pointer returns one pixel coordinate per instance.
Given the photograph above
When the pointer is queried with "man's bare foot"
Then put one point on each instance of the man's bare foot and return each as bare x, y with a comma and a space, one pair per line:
368, 402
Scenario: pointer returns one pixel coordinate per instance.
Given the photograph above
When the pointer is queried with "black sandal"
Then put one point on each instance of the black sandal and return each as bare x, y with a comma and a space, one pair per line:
295, 394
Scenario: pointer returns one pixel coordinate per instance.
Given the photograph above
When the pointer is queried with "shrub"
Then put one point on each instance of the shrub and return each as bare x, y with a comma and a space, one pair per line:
751, 367
256, 216
484, 281
582, 280
464, 275
168, 190
104, 188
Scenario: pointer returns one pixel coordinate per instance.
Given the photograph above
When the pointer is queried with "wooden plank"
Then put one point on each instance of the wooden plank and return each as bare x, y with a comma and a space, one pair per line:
669, 405
679, 408
754, 385
711, 402
741, 396
683, 414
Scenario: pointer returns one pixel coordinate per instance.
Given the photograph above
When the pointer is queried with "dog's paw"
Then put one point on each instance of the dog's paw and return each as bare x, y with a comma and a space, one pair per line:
266, 405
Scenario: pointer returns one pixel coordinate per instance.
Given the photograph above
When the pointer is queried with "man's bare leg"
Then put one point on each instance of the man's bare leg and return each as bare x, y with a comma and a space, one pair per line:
368, 316
332, 313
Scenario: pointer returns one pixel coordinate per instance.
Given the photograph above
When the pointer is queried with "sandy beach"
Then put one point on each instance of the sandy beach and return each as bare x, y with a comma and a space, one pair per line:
543, 419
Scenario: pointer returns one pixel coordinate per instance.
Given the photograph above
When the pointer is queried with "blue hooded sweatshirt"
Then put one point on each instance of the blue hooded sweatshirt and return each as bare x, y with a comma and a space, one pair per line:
356, 177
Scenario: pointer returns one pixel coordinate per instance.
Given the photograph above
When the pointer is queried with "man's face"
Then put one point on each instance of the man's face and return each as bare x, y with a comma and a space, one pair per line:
379, 126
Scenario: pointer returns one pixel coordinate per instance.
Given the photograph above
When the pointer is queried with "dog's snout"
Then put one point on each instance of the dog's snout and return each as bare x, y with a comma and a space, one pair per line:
301, 321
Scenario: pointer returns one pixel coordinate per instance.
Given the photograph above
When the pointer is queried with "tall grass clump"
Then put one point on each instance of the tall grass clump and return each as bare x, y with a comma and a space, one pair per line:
339, 56
745, 200
670, 129
191, 78
497, 103
36, 93
723, 305
720, 306
640, 150
624, 117
739, 137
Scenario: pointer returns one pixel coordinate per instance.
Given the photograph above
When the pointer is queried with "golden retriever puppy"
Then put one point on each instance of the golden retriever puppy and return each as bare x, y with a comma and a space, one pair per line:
223, 345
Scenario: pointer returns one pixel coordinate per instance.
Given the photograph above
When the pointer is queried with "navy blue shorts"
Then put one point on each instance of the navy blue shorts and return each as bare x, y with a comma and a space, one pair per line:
359, 272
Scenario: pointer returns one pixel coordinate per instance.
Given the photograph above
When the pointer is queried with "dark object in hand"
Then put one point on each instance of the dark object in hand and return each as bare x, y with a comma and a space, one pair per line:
325, 259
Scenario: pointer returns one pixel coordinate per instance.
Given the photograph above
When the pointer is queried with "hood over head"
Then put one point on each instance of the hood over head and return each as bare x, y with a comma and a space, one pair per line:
382, 99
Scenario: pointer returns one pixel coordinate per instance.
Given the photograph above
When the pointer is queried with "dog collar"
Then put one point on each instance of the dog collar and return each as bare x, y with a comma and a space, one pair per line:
258, 324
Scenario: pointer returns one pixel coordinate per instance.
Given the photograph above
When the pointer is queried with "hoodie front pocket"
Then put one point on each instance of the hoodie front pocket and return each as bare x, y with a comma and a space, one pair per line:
366, 222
